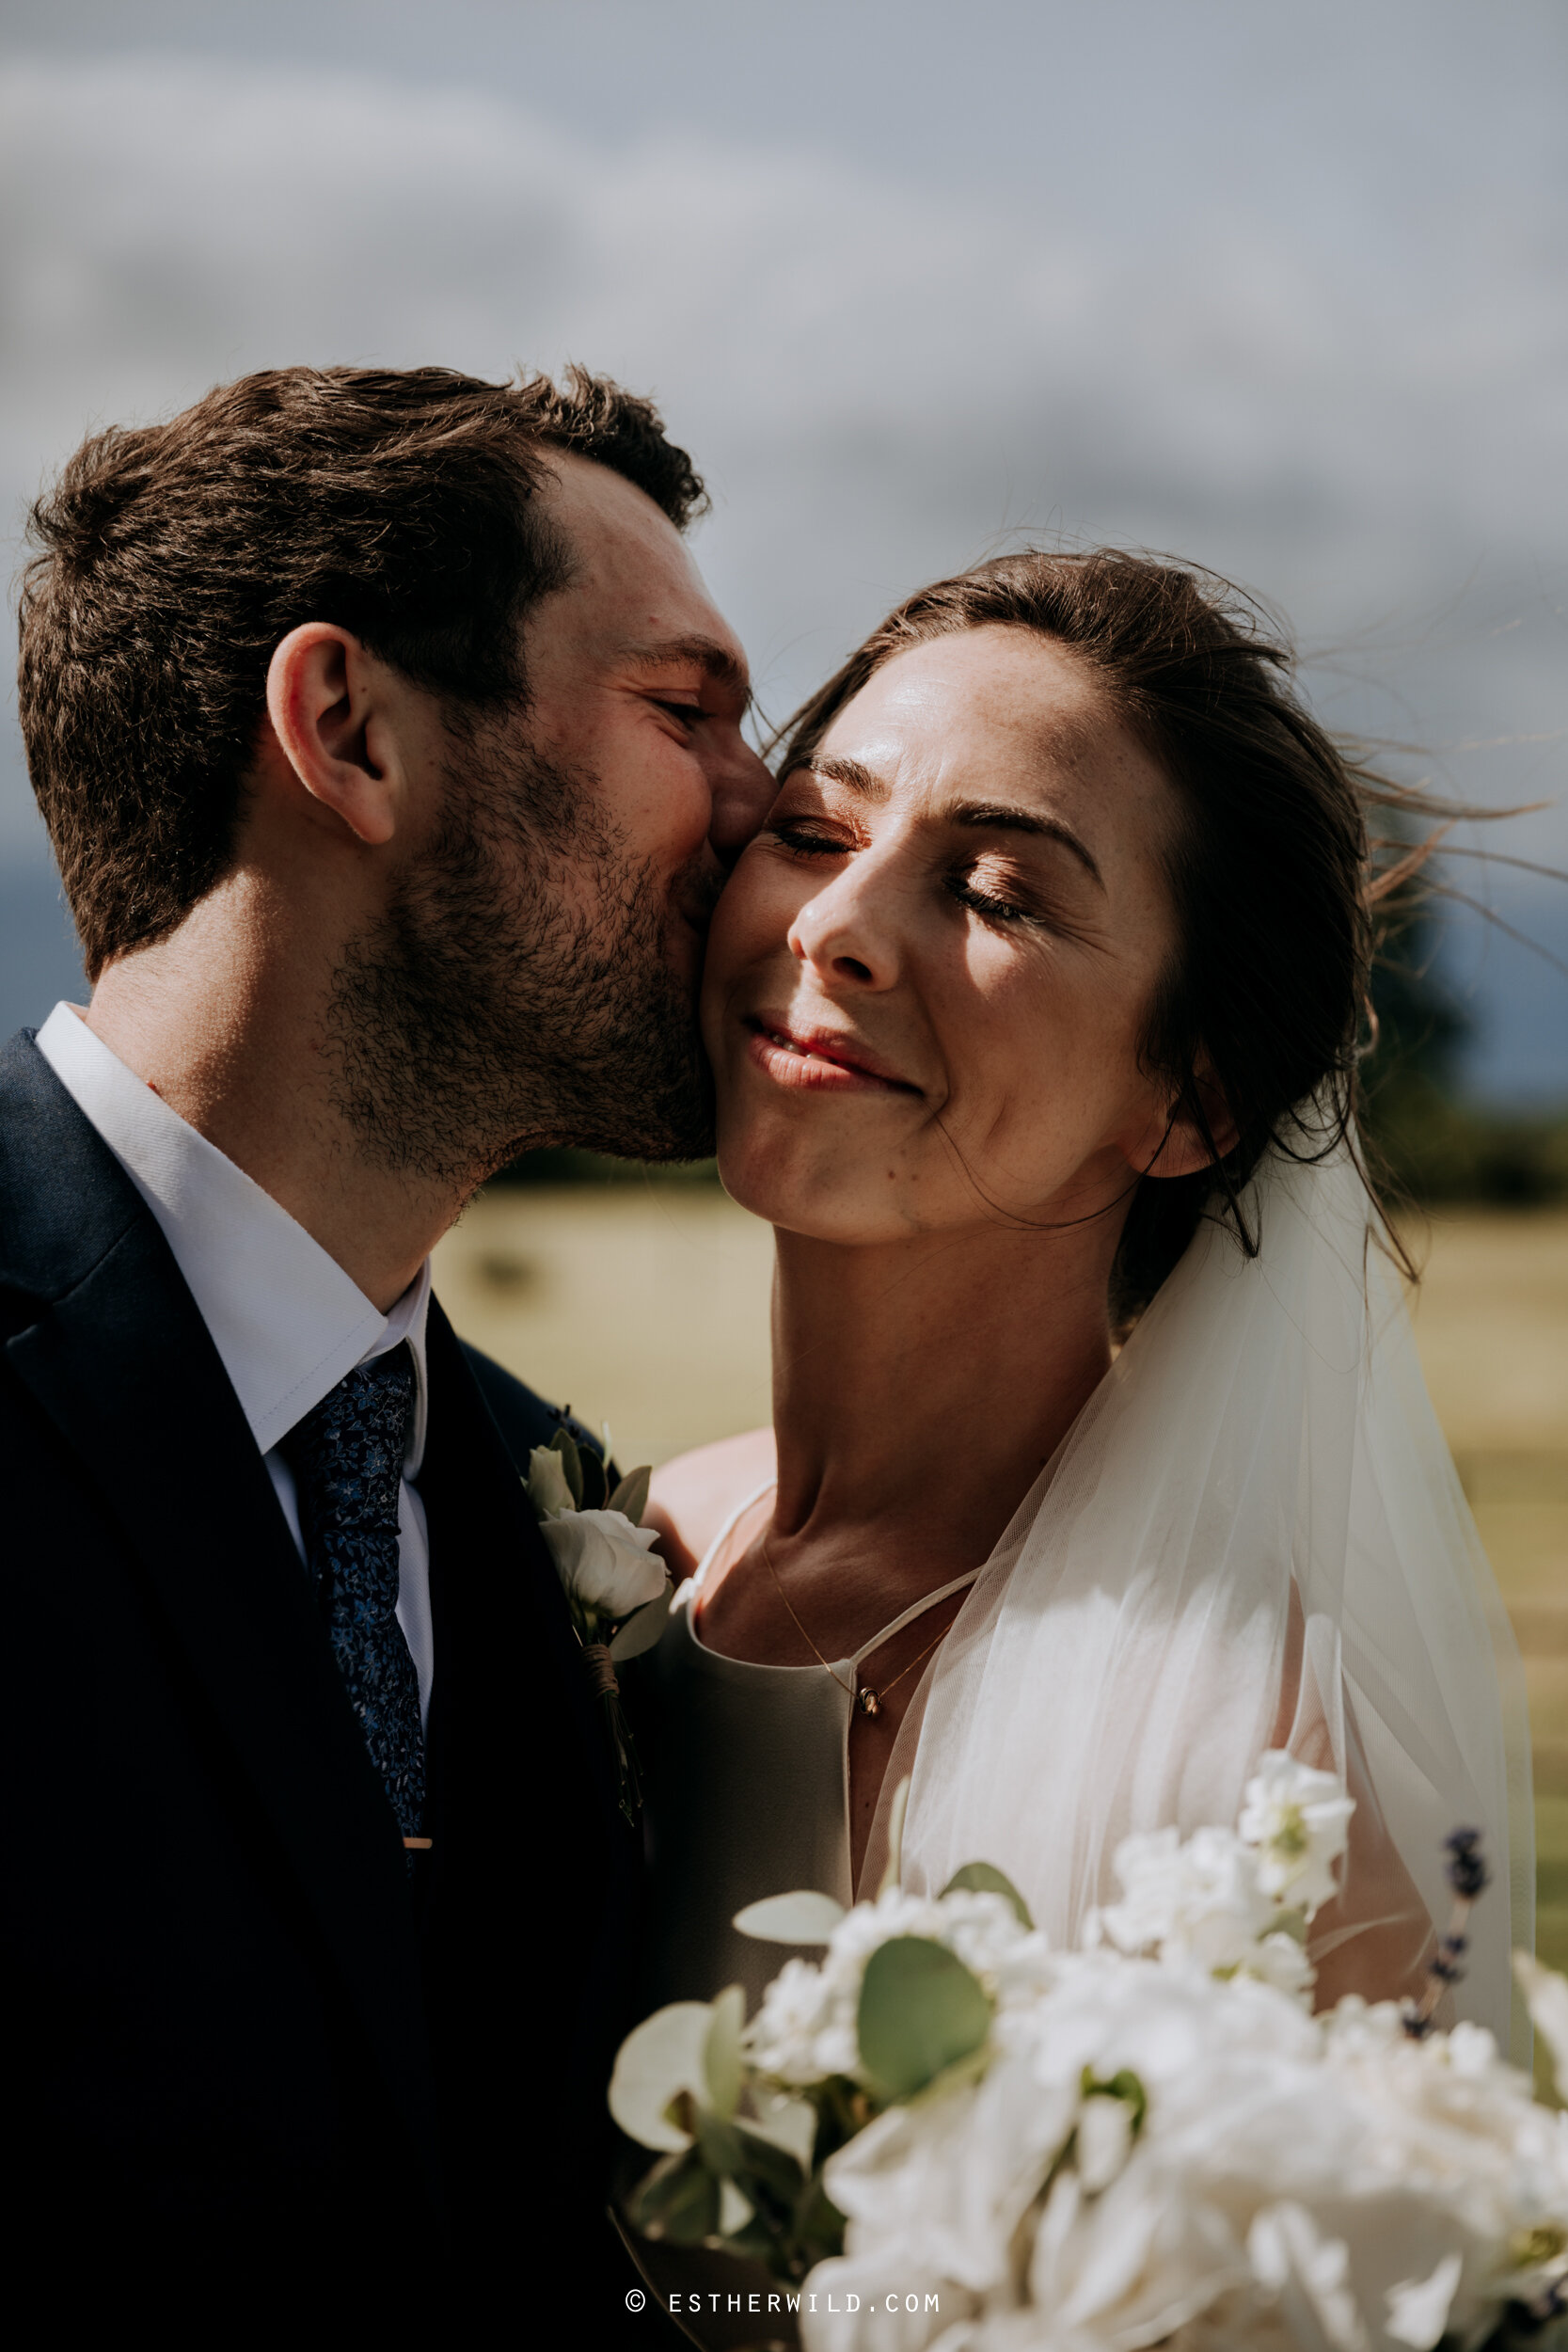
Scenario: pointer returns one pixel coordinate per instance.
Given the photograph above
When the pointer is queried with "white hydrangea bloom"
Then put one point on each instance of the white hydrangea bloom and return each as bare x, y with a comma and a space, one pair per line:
1203, 1902
1298, 1821
1297, 2181
806, 2027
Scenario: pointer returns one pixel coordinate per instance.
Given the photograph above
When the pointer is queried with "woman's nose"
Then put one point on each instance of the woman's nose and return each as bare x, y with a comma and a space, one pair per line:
845, 936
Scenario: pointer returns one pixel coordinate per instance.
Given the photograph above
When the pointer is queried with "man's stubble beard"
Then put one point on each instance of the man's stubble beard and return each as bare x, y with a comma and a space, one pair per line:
484, 1015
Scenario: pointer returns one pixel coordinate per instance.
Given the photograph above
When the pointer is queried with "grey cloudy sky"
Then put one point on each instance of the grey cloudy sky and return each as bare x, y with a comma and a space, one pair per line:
1278, 287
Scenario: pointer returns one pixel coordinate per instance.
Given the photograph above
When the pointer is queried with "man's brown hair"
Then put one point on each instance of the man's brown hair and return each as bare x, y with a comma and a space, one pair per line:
170, 560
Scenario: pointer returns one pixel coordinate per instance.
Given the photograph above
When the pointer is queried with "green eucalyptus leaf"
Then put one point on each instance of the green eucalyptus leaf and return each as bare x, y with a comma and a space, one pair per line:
983, 1877
644, 1627
818, 2224
802, 1917
769, 2173
842, 2109
958, 2077
596, 1485
566, 1446
720, 2142
757, 2237
723, 2068
678, 2200
631, 1494
921, 2010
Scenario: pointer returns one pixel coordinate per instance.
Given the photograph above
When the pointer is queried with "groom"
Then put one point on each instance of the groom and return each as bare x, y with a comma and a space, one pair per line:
390, 748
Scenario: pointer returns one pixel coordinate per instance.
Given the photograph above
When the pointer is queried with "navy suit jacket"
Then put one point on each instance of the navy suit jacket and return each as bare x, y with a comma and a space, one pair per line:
241, 2046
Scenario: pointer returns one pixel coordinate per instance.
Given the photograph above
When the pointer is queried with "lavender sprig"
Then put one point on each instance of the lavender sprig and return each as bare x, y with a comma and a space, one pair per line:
1467, 1874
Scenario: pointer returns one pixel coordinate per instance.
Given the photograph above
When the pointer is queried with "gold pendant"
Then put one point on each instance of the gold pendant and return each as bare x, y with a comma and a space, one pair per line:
870, 1702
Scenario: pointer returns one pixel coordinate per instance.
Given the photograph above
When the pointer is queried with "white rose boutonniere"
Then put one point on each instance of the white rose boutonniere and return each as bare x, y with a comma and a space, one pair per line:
617, 1588
604, 1562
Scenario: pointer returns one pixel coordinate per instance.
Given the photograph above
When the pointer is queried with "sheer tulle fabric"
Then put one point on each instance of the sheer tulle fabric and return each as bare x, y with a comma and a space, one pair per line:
1257, 1508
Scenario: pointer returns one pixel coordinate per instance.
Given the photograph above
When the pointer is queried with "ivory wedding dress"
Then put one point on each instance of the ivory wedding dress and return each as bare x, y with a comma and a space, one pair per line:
752, 1796
1253, 1532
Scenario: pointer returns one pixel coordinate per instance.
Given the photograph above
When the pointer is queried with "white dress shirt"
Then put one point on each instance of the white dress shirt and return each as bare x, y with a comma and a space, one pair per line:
284, 1317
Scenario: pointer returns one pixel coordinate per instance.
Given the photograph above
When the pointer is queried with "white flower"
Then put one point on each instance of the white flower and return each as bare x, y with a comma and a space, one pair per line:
1201, 1901
663, 2056
1419, 2308
1297, 1820
603, 1562
547, 1487
1291, 2257
795, 2037
1165, 2146
806, 2027
1296, 2182
1104, 2141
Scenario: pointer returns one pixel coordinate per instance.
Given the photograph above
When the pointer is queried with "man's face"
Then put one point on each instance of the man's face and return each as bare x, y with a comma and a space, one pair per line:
638, 686
533, 980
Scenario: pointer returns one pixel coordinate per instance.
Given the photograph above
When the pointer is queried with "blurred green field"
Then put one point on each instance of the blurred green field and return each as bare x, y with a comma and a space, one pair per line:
646, 1306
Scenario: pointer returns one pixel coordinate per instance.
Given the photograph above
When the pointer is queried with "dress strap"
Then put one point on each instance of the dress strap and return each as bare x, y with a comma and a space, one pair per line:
728, 1529
918, 1609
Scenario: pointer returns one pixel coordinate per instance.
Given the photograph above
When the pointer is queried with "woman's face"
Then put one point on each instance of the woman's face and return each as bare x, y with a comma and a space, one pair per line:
928, 977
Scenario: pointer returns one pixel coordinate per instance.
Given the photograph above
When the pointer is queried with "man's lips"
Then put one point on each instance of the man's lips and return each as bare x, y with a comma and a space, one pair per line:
817, 1059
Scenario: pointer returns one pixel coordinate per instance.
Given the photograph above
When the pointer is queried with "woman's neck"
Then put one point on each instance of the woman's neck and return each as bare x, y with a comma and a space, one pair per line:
920, 1387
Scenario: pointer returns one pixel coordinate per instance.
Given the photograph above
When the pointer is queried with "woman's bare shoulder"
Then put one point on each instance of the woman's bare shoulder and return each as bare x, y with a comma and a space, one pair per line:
692, 1496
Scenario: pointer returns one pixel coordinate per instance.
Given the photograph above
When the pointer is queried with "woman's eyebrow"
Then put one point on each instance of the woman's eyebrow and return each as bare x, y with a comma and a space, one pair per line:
850, 773
1002, 817
997, 816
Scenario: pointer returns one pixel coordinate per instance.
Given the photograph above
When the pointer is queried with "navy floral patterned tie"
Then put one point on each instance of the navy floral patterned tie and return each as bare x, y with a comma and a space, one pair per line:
347, 1459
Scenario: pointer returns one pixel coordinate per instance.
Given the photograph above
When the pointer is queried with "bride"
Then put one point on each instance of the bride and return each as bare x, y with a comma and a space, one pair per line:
1101, 1459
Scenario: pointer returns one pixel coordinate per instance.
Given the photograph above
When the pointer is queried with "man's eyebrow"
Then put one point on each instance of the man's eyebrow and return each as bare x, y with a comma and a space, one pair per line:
715, 660
1002, 817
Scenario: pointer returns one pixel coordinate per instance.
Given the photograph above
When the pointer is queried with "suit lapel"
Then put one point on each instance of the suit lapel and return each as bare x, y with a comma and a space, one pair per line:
122, 1364
508, 1662
530, 1925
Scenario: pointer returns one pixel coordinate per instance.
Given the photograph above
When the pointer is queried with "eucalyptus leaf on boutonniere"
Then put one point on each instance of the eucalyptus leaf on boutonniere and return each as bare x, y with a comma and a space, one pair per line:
617, 1588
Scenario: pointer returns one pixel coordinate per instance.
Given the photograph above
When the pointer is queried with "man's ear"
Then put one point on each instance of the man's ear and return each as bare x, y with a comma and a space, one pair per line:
326, 704
1178, 1147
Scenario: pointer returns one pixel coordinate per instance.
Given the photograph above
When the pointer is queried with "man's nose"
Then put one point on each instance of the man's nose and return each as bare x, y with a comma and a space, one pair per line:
743, 792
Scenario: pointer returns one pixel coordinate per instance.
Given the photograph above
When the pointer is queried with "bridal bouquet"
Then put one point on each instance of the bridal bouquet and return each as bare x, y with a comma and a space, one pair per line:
945, 2133
617, 1588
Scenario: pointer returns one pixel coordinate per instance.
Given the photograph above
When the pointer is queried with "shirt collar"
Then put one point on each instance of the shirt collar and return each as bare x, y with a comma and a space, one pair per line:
284, 1317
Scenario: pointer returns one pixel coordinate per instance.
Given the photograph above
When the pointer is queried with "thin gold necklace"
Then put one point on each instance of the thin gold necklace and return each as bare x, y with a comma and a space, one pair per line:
866, 1698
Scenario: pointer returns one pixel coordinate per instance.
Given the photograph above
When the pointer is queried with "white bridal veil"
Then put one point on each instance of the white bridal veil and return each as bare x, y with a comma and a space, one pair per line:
1256, 1500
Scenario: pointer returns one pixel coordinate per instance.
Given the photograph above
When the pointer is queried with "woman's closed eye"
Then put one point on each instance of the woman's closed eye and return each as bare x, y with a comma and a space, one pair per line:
969, 893
996, 895
803, 836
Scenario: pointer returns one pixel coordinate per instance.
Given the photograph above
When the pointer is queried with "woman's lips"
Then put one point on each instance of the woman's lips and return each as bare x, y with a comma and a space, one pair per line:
815, 1060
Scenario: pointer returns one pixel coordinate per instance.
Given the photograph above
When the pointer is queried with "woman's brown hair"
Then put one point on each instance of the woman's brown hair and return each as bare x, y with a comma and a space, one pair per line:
1271, 869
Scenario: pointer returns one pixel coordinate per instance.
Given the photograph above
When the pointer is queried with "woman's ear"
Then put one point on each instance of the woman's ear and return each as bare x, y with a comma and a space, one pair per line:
1180, 1147
326, 697
1187, 1148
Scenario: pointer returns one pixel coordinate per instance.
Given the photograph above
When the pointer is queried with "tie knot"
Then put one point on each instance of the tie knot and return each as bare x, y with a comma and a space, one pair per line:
365, 1416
